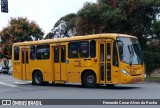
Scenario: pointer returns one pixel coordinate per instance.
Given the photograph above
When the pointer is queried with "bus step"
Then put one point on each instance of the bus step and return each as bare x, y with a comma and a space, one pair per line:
59, 82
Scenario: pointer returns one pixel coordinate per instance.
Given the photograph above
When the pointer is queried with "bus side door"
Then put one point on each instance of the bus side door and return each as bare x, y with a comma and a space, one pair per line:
60, 66
25, 63
108, 74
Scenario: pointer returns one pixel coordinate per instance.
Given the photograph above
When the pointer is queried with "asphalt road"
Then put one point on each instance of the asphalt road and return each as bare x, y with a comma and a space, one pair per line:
11, 88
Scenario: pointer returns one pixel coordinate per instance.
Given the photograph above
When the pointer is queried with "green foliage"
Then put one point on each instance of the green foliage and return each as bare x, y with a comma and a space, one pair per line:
64, 26
156, 28
152, 60
70, 19
24, 29
50, 35
120, 16
18, 30
87, 16
151, 78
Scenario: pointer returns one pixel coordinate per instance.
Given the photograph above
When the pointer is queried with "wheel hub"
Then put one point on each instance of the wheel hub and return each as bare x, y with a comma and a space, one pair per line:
90, 79
38, 78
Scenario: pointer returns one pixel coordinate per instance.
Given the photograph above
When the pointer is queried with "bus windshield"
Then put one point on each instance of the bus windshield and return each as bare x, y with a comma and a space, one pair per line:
130, 50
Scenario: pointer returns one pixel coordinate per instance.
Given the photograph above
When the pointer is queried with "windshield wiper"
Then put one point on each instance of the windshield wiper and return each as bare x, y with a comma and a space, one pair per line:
130, 48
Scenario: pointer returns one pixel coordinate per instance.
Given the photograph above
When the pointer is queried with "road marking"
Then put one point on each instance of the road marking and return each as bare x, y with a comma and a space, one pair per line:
20, 82
2, 83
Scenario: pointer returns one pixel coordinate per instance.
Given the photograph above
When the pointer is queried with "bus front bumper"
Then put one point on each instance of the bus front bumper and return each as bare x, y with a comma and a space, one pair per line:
132, 79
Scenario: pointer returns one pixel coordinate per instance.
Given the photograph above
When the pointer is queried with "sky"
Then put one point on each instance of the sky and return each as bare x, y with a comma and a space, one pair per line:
44, 12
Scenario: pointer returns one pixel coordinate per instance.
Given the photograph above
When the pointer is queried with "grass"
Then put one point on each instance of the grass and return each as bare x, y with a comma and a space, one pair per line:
149, 78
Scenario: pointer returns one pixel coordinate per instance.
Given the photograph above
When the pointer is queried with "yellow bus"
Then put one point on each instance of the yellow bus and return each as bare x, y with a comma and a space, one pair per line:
90, 60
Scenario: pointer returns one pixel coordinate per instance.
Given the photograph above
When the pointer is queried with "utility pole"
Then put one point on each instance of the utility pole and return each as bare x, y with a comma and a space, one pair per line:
4, 6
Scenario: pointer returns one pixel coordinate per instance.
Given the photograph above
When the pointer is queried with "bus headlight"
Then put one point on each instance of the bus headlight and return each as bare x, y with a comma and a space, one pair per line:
125, 72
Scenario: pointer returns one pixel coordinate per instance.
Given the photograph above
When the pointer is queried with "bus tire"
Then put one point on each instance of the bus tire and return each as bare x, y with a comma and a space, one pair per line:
37, 78
89, 79
45, 83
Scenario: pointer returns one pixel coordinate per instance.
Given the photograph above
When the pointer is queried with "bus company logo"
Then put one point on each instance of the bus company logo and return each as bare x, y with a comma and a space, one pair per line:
6, 102
133, 72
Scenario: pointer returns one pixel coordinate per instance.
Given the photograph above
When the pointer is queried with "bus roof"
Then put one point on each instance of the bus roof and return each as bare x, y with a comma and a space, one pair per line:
85, 37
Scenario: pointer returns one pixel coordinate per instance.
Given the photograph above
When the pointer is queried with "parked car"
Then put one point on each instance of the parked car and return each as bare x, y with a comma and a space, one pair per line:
3, 70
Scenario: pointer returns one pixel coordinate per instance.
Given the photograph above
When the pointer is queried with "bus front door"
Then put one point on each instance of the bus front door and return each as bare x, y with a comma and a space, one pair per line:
105, 62
60, 66
25, 61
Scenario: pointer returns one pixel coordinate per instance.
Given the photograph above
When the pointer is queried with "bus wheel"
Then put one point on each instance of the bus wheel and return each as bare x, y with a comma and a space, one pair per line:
45, 83
37, 78
89, 80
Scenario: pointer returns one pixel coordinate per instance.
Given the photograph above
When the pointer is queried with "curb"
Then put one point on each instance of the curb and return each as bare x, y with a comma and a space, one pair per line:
157, 82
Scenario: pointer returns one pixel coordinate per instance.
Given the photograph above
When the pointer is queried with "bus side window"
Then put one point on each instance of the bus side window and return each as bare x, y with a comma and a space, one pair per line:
102, 52
79, 49
108, 51
83, 49
63, 54
56, 54
73, 50
16, 53
115, 55
32, 52
93, 48
43, 52
23, 61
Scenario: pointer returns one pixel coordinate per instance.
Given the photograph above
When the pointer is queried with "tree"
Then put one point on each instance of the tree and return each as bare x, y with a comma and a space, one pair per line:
18, 30
156, 29
103, 16
140, 16
50, 35
120, 16
64, 27
132, 17
88, 19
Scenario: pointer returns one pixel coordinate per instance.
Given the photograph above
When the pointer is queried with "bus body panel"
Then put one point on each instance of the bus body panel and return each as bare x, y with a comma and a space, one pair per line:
44, 66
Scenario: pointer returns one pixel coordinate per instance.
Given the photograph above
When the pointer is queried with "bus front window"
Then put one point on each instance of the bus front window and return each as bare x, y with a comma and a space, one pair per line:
130, 50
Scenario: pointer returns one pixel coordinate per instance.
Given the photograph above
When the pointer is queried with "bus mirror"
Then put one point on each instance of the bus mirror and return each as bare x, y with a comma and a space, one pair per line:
119, 42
